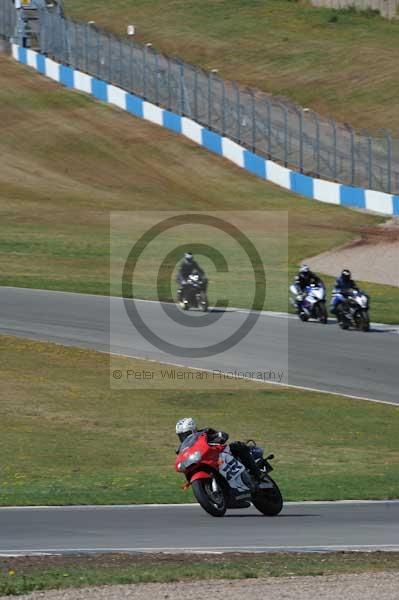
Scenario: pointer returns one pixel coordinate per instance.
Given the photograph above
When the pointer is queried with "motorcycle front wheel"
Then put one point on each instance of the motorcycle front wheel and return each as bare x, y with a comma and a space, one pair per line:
213, 502
362, 320
321, 313
270, 501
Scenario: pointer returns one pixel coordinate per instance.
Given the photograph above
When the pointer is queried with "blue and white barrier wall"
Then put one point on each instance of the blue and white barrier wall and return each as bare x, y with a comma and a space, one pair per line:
316, 189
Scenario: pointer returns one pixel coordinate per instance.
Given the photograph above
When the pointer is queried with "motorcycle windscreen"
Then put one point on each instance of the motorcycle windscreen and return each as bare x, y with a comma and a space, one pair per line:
189, 441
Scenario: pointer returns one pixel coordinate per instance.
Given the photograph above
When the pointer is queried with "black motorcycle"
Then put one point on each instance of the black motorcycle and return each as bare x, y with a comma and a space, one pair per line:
193, 293
353, 310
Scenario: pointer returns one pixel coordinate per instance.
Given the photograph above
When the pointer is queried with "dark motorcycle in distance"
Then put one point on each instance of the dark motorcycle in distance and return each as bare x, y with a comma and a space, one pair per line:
193, 294
353, 310
220, 481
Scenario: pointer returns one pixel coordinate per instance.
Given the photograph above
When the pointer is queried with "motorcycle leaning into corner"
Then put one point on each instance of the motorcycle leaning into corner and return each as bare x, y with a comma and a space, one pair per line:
311, 304
352, 309
219, 481
193, 293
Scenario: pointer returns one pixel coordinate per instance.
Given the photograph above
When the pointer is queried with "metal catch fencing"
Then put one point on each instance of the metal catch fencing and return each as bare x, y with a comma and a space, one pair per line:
8, 18
272, 127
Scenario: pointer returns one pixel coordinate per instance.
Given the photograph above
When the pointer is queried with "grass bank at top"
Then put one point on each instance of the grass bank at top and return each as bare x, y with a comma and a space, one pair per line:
68, 161
67, 438
339, 63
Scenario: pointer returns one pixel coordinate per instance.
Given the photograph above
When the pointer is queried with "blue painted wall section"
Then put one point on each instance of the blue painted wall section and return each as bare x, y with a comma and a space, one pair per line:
296, 182
353, 197
255, 164
134, 105
22, 57
212, 141
302, 184
395, 202
67, 76
172, 121
99, 89
41, 64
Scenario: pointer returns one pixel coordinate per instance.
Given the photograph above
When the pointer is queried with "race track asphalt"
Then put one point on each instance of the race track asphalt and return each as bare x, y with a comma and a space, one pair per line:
300, 527
286, 350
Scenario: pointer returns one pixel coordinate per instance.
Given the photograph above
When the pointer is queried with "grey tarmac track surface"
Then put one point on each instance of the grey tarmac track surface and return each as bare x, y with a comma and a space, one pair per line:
308, 355
300, 527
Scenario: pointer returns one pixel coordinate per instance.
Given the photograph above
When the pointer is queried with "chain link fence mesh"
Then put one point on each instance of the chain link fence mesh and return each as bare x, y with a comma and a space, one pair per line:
8, 18
270, 126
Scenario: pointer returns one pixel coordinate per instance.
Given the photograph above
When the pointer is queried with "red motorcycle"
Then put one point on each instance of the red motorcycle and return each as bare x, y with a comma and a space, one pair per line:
220, 481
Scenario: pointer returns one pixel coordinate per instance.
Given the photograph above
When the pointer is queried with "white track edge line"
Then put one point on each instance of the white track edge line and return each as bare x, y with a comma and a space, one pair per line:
187, 505
204, 550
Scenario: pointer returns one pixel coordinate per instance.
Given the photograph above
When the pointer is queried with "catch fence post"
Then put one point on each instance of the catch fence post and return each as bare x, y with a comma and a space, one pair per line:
301, 140
145, 49
210, 75
196, 93
285, 119
253, 121
238, 111
120, 63
181, 78
223, 107
370, 161
353, 166
110, 58
131, 66
269, 127
169, 84
389, 162
87, 48
156, 79
317, 144
98, 67
335, 166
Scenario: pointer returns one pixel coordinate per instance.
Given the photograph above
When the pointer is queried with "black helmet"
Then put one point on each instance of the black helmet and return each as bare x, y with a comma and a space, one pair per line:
346, 275
188, 257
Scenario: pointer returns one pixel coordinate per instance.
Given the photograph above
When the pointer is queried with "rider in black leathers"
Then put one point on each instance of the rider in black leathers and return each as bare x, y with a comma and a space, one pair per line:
238, 449
187, 267
304, 278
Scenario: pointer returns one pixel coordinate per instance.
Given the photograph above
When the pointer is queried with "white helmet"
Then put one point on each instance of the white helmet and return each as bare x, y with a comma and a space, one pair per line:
304, 269
185, 426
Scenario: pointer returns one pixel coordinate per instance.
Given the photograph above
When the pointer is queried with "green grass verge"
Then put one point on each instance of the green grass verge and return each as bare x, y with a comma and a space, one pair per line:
19, 576
67, 162
67, 438
340, 63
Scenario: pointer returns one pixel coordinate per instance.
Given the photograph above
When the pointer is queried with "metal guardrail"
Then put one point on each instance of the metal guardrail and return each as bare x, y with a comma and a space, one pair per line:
270, 126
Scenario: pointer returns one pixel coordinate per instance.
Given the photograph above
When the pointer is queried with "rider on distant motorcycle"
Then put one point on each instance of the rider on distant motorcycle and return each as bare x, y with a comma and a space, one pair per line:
187, 267
240, 450
343, 284
304, 278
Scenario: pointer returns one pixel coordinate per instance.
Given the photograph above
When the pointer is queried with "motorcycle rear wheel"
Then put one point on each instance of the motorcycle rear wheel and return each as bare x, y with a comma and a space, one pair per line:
212, 504
321, 313
203, 302
269, 502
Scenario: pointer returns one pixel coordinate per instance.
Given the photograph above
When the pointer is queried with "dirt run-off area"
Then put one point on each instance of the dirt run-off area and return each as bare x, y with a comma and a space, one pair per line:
366, 586
373, 257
